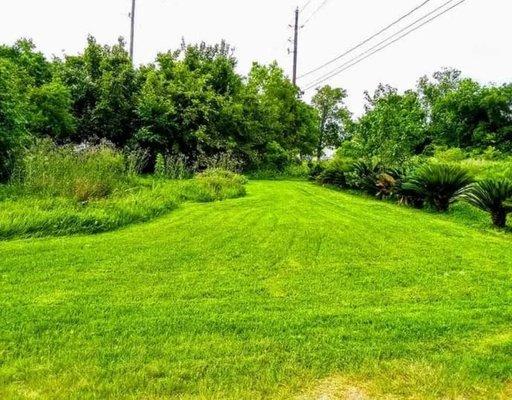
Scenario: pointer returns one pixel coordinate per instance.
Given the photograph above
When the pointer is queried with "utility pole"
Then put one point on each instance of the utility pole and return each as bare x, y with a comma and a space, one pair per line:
132, 31
295, 45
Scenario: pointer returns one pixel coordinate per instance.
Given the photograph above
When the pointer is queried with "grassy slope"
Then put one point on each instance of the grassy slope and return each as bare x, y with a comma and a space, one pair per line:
23, 216
293, 290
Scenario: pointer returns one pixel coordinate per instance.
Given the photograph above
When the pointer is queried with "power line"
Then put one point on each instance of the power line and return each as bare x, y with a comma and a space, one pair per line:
366, 40
388, 38
337, 72
314, 13
305, 5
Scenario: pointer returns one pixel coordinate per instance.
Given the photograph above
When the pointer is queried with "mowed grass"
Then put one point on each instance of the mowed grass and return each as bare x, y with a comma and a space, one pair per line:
295, 291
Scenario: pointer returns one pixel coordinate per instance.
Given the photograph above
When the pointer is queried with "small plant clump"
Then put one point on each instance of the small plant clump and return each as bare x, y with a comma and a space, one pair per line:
438, 184
493, 196
83, 172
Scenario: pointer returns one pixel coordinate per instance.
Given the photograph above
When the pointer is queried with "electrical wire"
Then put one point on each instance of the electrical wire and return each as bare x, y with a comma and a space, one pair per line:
357, 59
305, 5
366, 40
314, 13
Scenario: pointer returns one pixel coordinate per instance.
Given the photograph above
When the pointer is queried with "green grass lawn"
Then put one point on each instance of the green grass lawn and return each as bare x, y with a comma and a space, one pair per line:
292, 292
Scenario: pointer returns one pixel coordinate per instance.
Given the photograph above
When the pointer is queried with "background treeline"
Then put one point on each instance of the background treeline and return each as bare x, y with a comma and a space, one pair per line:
449, 140
189, 102
445, 111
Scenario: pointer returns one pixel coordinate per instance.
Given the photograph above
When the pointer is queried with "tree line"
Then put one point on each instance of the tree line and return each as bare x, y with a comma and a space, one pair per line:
446, 110
190, 102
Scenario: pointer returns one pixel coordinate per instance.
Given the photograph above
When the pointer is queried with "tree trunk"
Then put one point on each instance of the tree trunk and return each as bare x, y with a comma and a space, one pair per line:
499, 218
442, 204
320, 147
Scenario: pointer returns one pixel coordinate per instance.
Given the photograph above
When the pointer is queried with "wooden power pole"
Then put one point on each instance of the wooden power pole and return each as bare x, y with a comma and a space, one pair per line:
295, 45
132, 30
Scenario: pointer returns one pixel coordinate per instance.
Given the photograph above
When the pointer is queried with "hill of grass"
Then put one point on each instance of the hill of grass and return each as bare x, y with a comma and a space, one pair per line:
294, 291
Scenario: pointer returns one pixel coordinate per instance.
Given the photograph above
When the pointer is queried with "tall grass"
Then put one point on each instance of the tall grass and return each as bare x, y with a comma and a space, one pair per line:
216, 184
62, 190
36, 216
79, 172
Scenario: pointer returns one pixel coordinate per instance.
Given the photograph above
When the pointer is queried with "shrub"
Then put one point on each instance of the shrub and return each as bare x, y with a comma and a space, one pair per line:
386, 185
221, 161
438, 184
217, 184
136, 161
332, 176
365, 176
172, 166
315, 169
452, 154
492, 196
81, 172
160, 165
335, 172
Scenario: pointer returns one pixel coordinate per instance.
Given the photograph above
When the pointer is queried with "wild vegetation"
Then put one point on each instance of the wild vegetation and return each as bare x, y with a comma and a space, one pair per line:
275, 295
189, 103
62, 190
190, 111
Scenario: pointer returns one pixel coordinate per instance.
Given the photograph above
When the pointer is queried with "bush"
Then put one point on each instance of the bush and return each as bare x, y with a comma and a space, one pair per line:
333, 176
172, 166
217, 184
334, 172
222, 161
492, 196
386, 185
365, 176
315, 169
452, 154
438, 184
81, 172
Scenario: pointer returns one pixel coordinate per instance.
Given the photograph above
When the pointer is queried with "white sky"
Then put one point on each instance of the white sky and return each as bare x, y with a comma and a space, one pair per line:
475, 37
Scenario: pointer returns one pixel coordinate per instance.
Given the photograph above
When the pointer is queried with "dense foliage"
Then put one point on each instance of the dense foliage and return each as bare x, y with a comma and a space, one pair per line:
493, 196
446, 110
189, 103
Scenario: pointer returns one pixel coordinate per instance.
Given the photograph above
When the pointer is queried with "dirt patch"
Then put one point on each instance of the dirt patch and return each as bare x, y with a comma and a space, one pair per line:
335, 388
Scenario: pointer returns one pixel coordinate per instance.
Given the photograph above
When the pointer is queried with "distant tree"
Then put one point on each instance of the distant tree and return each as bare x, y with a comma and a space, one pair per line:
104, 87
393, 127
51, 114
332, 115
13, 115
463, 113
23, 54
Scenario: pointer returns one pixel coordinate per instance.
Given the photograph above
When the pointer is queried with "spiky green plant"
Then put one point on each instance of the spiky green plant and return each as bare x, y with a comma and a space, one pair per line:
438, 184
365, 176
491, 195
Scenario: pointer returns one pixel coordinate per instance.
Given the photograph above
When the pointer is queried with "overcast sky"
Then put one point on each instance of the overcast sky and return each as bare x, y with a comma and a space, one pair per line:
474, 37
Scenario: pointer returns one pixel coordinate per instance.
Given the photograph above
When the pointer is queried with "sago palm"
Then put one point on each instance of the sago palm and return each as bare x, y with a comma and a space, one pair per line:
493, 196
438, 184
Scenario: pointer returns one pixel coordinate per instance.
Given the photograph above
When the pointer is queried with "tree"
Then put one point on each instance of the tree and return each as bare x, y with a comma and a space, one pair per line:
332, 113
393, 127
463, 113
51, 116
13, 112
104, 87
37, 70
